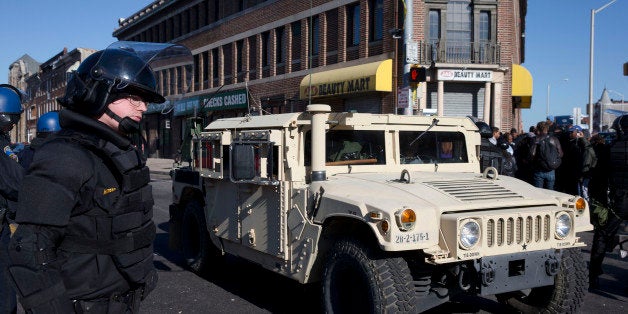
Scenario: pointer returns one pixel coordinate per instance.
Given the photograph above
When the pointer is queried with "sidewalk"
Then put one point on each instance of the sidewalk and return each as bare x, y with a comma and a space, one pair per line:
159, 165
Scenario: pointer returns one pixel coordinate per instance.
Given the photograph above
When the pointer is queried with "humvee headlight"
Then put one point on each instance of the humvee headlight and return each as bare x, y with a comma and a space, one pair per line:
563, 225
469, 234
406, 219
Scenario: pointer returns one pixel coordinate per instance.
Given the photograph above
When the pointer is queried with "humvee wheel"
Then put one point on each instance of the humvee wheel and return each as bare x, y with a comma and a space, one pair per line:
354, 281
198, 250
565, 296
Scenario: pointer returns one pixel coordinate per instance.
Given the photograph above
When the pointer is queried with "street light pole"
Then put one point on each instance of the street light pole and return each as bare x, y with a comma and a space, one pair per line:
593, 12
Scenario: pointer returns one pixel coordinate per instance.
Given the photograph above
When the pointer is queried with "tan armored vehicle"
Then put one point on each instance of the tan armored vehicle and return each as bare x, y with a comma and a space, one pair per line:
388, 213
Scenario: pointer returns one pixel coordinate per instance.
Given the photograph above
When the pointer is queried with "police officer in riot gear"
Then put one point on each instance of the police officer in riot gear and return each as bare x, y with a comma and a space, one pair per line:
85, 236
47, 124
608, 217
11, 174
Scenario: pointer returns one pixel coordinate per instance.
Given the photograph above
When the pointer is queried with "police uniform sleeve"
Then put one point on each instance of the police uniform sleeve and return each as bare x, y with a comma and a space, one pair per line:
12, 174
47, 197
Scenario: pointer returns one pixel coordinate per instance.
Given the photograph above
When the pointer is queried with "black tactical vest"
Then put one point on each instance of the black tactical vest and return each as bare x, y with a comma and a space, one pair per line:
120, 211
619, 177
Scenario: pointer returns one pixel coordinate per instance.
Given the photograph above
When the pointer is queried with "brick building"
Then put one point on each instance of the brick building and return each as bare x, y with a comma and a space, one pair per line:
259, 57
19, 71
47, 84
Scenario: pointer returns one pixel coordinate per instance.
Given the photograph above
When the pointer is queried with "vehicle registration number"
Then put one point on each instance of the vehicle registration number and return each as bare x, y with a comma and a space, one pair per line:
412, 237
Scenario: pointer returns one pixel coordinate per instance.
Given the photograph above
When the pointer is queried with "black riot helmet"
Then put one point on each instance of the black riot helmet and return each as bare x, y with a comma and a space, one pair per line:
485, 130
620, 125
125, 68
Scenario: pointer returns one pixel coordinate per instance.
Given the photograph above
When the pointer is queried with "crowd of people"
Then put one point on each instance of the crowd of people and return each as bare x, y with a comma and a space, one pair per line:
565, 159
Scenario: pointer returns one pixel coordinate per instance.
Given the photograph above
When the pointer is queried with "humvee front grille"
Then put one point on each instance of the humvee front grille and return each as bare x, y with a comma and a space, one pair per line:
518, 230
473, 190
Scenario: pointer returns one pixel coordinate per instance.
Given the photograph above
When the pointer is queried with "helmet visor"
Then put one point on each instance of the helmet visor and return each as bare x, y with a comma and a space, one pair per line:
171, 66
9, 118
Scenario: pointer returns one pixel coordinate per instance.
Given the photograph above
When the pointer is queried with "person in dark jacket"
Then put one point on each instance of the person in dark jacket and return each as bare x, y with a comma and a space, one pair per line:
85, 237
608, 216
578, 163
10, 179
47, 124
542, 177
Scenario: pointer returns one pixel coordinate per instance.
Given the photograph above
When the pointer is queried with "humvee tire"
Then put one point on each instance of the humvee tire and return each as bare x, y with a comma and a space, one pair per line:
565, 296
356, 281
198, 250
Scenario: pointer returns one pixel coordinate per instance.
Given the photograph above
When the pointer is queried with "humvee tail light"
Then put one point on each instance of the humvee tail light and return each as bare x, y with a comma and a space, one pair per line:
563, 225
469, 233
406, 219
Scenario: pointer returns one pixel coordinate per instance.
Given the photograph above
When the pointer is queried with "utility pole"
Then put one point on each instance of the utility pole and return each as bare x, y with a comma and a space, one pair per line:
407, 40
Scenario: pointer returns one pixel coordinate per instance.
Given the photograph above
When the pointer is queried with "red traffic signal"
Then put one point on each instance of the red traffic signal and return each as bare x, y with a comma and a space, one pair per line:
418, 74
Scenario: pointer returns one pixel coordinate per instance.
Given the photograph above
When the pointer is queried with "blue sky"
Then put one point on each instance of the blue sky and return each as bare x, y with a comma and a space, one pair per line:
557, 43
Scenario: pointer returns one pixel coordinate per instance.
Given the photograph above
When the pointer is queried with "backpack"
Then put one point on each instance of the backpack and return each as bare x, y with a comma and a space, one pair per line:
547, 157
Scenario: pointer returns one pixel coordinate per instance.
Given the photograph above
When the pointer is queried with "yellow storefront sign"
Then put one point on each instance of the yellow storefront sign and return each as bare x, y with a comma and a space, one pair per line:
375, 76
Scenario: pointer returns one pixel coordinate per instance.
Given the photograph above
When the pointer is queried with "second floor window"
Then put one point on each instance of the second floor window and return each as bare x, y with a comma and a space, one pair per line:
279, 53
459, 30
315, 35
377, 19
353, 25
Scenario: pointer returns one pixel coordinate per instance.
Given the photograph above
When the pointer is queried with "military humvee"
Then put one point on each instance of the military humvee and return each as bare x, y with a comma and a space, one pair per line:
388, 213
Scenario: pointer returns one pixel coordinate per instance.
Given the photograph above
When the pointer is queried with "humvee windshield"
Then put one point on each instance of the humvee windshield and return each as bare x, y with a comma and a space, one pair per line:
348, 147
432, 147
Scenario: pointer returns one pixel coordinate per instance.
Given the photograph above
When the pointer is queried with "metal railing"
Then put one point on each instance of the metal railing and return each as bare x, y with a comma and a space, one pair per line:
459, 52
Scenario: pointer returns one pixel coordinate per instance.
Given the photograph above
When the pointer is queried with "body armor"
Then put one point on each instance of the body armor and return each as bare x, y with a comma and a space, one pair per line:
90, 233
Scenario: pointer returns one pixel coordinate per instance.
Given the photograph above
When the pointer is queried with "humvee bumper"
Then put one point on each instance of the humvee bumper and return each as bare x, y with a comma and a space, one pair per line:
512, 272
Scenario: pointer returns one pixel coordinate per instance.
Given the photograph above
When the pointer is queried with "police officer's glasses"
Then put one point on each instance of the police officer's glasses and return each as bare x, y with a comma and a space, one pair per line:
135, 101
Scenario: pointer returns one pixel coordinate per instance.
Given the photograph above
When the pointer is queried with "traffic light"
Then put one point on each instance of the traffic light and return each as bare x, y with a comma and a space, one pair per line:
418, 74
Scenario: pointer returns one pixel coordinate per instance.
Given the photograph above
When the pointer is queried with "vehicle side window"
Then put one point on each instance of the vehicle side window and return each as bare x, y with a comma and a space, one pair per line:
432, 147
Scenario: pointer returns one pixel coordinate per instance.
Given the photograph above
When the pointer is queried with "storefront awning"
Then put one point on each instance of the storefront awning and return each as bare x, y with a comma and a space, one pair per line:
376, 76
521, 87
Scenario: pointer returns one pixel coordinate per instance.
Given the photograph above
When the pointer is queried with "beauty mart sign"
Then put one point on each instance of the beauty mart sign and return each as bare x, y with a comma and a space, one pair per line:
464, 75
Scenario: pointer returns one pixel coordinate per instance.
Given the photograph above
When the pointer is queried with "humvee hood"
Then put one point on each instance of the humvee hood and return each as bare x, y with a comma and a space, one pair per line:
439, 190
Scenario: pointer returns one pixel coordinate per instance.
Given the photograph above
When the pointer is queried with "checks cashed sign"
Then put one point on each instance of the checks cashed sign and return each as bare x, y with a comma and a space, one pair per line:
465, 75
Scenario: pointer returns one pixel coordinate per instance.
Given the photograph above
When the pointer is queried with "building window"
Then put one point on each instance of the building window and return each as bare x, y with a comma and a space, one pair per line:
215, 66
266, 51
205, 69
197, 72
434, 32
253, 63
239, 53
377, 19
315, 36
353, 25
459, 30
485, 26
216, 10
279, 49
296, 41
